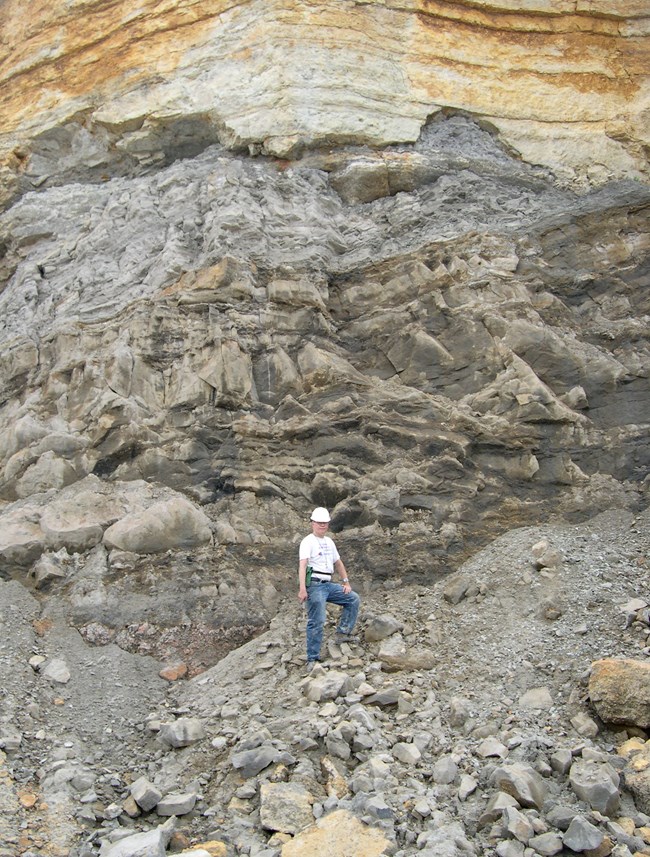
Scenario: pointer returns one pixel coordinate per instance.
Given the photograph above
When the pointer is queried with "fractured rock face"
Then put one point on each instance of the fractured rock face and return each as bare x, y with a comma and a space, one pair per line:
521, 782
90, 105
174, 523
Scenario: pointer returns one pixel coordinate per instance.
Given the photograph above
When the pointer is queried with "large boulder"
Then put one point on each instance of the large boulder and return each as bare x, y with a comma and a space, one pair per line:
168, 524
619, 690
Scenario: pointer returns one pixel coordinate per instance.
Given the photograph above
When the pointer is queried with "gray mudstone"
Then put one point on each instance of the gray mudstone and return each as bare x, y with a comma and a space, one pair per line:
494, 808
597, 784
561, 761
585, 725
182, 732
328, 686
378, 808
10, 738
583, 836
561, 816
153, 843
337, 745
406, 753
460, 710
145, 794
168, 524
381, 627
384, 697
455, 589
176, 804
510, 848
546, 844
250, 763
522, 782
57, 671
516, 824
445, 770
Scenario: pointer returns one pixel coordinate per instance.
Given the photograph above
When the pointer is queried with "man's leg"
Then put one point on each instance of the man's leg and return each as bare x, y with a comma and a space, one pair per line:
349, 602
316, 608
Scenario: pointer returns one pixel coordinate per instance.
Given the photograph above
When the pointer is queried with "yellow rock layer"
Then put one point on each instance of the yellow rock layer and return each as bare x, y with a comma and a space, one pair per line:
565, 82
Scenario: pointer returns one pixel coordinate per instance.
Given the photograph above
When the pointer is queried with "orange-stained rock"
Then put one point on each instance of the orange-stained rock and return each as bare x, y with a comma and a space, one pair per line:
173, 672
566, 89
214, 847
338, 834
619, 690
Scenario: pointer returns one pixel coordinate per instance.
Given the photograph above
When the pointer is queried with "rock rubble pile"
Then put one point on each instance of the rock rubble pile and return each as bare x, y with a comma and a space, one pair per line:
501, 711
243, 274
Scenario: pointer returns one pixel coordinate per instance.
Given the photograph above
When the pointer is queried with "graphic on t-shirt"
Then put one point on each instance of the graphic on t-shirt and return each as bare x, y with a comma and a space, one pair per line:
321, 554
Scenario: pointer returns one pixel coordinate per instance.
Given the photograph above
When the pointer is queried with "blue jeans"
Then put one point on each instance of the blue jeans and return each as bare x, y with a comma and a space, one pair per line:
318, 594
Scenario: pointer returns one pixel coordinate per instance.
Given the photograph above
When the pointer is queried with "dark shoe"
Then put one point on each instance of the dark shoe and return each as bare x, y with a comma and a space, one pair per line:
340, 637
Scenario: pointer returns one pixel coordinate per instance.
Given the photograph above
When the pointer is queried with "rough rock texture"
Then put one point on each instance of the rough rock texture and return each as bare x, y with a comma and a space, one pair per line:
434, 366
250, 744
564, 83
620, 692
386, 257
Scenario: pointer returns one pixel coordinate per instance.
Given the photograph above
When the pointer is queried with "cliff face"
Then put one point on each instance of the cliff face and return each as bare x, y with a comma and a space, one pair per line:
97, 89
386, 257
436, 338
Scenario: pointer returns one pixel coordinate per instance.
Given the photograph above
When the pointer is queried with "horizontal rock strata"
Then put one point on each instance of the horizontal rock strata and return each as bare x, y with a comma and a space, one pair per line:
106, 89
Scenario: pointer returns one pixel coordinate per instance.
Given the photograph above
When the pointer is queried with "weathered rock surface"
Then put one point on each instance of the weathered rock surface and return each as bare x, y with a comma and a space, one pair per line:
107, 89
437, 365
253, 756
252, 261
620, 691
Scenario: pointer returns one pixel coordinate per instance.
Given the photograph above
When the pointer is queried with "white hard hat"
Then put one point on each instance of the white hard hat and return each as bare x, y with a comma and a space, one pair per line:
320, 515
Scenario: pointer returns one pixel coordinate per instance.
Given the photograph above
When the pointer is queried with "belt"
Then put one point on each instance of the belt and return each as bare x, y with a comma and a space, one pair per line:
315, 580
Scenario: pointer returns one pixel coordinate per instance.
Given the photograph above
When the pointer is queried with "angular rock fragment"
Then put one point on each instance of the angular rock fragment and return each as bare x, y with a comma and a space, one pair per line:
249, 763
582, 835
338, 834
381, 627
176, 803
637, 771
145, 794
395, 655
182, 732
173, 523
522, 782
57, 671
153, 843
285, 807
597, 784
330, 685
406, 753
516, 824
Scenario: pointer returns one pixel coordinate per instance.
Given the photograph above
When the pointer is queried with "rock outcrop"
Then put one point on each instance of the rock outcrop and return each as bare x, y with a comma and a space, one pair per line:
257, 756
385, 257
102, 89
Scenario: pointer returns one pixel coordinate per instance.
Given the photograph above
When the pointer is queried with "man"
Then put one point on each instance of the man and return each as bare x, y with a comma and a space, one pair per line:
318, 552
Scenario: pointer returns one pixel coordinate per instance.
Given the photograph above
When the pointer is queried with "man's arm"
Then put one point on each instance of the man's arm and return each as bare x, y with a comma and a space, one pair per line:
342, 573
302, 587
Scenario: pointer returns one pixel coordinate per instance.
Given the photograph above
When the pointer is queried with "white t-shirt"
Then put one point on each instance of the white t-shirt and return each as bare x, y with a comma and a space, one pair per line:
321, 554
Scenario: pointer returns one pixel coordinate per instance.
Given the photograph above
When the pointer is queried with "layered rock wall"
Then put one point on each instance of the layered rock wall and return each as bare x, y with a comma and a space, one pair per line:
95, 89
390, 258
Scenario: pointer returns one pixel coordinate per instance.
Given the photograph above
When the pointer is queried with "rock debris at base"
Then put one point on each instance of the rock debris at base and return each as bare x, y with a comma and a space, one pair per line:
491, 722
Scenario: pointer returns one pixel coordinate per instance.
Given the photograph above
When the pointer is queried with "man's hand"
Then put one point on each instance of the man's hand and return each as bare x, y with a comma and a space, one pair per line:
347, 588
302, 594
